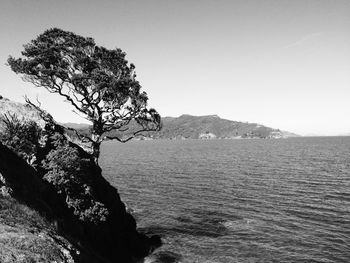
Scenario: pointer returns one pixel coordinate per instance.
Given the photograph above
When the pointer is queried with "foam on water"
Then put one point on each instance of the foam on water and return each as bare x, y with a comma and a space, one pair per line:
239, 225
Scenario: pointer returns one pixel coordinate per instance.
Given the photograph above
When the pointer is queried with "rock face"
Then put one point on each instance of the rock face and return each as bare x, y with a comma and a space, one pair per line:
67, 188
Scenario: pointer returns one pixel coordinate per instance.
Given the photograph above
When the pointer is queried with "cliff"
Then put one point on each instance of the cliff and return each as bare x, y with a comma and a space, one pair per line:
51, 180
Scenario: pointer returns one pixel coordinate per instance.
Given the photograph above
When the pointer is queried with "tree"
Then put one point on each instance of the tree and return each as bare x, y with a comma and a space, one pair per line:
98, 82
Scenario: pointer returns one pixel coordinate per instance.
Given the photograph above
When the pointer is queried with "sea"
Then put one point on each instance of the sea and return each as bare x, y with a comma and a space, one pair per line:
242, 200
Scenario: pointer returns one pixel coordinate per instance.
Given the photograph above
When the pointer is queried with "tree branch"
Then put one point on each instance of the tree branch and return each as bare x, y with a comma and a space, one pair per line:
130, 137
48, 118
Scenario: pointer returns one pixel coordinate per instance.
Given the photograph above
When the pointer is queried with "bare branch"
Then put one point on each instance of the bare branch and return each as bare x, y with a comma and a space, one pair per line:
43, 114
134, 134
68, 98
80, 136
118, 139
48, 118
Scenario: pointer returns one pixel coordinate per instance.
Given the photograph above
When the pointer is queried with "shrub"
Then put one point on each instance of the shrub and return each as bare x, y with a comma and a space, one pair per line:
20, 135
62, 165
71, 175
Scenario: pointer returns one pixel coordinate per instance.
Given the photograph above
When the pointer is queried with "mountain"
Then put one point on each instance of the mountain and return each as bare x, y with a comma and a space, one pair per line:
77, 126
344, 134
212, 126
206, 127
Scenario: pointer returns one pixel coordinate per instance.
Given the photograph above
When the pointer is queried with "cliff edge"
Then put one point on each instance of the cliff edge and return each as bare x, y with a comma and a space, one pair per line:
47, 178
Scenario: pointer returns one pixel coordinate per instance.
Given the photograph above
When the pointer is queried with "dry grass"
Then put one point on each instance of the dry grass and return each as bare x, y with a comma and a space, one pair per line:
20, 109
25, 236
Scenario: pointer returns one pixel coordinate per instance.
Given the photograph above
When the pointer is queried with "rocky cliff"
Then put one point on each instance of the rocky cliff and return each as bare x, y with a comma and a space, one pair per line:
50, 179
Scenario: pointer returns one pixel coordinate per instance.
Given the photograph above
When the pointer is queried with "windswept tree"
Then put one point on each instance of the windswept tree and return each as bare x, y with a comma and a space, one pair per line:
98, 82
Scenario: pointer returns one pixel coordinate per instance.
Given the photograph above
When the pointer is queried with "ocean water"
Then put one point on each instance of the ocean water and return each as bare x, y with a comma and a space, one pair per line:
243, 201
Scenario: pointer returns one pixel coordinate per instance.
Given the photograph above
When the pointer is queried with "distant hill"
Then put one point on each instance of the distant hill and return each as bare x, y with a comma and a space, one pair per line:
206, 127
212, 126
76, 126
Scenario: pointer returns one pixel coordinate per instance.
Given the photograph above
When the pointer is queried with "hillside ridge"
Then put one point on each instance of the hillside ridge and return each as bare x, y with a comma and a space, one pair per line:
188, 126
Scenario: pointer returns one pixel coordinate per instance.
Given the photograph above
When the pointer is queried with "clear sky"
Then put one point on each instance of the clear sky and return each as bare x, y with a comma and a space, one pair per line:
284, 64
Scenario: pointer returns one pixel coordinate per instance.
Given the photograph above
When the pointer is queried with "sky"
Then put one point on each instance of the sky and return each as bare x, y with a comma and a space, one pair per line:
283, 64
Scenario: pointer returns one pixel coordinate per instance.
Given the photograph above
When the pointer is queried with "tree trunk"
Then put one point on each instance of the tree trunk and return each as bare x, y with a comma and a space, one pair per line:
97, 131
96, 151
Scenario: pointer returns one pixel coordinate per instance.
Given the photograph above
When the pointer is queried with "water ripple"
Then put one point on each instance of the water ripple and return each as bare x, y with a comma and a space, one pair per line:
238, 200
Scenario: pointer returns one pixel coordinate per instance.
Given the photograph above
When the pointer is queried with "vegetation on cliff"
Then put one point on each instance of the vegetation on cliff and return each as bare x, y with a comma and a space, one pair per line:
26, 236
63, 183
20, 135
42, 168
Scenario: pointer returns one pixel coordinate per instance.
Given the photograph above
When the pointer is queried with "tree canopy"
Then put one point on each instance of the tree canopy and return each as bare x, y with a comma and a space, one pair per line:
98, 82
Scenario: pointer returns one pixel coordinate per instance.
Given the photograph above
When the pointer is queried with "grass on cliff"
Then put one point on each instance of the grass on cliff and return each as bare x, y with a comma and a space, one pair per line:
26, 237
12, 213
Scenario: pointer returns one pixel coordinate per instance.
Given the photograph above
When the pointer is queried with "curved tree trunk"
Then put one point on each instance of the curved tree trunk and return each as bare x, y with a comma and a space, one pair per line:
96, 136
96, 151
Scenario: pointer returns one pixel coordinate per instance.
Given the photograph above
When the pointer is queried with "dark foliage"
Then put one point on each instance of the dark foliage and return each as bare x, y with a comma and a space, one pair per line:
71, 175
63, 166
